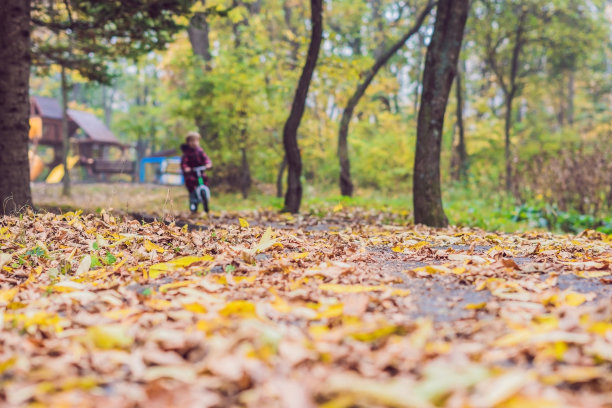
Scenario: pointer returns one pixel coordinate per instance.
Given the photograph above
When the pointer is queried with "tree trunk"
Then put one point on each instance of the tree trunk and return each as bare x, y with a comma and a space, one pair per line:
107, 102
279, 177
245, 170
570, 98
293, 197
511, 93
507, 146
346, 184
459, 170
440, 69
65, 135
417, 89
198, 37
15, 194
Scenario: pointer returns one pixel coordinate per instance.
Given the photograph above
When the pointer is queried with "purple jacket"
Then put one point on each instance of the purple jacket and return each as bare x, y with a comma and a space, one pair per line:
193, 158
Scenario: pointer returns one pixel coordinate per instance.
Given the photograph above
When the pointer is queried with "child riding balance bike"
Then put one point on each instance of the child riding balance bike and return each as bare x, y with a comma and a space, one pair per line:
194, 164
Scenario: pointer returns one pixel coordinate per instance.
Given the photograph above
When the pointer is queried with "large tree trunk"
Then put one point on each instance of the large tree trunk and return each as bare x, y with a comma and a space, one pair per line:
510, 94
459, 168
417, 89
440, 68
15, 192
346, 184
293, 197
65, 135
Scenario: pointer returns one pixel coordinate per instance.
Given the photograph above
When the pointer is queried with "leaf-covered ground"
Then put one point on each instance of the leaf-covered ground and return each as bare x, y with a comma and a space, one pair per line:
269, 310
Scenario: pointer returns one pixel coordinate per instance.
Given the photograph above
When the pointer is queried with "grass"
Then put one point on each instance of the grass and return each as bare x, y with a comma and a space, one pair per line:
464, 207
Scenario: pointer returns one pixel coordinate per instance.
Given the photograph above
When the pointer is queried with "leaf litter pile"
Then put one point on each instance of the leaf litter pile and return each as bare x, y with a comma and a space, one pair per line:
269, 310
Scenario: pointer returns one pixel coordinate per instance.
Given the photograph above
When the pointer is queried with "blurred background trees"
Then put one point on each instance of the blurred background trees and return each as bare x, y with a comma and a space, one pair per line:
532, 124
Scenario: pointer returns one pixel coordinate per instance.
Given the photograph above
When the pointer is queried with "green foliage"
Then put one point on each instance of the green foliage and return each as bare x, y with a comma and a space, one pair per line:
84, 35
241, 99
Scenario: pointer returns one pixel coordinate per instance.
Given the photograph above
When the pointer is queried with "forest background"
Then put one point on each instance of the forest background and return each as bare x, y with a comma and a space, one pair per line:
528, 129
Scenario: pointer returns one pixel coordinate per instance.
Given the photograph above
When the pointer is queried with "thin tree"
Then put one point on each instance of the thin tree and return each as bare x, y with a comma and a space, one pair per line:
293, 197
459, 155
439, 72
346, 183
15, 191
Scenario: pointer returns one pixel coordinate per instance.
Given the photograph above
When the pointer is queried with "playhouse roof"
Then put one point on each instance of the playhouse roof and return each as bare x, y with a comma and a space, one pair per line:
95, 130
48, 107
93, 127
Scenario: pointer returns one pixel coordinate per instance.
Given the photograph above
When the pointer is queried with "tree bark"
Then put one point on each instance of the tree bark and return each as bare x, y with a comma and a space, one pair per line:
198, 37
417, 89
459, 171
507, 146
65, 135
346, 184
245, 169
570, 98
279, 177
15, 194
511, 93
440, 69
293, 197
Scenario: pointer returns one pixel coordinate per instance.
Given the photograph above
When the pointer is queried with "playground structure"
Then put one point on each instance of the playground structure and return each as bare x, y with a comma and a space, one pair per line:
91, 140
92, 144
161, 170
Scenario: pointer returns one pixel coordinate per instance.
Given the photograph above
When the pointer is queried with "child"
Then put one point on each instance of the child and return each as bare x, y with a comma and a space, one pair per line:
193, 156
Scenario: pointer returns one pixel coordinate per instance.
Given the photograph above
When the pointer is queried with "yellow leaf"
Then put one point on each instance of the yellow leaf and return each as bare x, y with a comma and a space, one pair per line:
149, 246
110, 336
7, 295
67, 286
337, 207
300, 255
379, 333
574, 374
267, 240
158, 304
546, 322
338, 288
434, 269
519, 401
600, 328
175, 264
476, 306
592, 274
175, 285
281, 305
459, 270
332, 311
567, 298
243, 223
575, 299
195, 308
240, 308
318, 330
7, 364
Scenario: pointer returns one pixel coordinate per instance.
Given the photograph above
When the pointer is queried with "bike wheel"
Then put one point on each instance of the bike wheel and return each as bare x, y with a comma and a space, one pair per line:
204, 199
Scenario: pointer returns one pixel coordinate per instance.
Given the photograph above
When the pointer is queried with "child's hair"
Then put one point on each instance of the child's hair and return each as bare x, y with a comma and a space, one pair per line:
192, 135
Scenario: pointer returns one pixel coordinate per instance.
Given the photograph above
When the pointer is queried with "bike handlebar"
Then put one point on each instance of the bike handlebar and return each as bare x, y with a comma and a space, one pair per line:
200, 168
